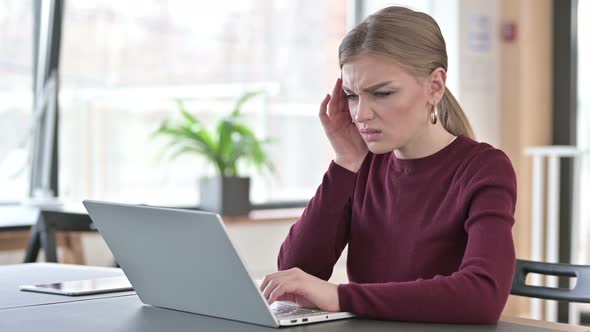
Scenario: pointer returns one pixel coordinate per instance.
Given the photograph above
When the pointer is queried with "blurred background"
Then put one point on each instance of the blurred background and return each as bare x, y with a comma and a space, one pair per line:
516, 66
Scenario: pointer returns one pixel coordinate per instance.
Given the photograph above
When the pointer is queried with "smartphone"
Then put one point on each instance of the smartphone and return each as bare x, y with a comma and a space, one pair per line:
82, 287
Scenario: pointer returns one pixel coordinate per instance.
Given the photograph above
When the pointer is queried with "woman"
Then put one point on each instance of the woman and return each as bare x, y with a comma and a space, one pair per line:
426, 211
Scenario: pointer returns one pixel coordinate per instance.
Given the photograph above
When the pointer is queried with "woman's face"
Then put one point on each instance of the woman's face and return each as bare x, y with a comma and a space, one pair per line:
388, 104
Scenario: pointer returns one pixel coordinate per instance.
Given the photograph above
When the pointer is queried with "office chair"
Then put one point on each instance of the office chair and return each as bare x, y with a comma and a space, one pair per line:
580, 293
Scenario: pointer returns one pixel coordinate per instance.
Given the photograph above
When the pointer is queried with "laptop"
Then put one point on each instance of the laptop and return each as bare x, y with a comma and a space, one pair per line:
184, 260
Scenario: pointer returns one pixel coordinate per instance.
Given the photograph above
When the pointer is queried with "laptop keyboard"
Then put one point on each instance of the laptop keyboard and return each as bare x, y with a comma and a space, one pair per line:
285, 310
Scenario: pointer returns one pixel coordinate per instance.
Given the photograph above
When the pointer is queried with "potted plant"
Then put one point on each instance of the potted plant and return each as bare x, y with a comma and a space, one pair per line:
231, 143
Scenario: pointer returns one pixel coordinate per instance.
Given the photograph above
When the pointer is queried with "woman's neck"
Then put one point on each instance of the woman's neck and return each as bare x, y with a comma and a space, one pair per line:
425, 144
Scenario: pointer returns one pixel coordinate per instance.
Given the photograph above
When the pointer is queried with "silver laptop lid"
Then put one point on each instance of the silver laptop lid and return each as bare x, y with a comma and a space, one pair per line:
180, 259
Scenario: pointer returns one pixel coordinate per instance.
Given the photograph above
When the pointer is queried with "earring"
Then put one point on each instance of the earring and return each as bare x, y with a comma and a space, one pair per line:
434, 114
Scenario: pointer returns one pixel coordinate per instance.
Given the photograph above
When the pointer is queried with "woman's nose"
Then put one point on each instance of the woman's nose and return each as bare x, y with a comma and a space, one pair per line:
363, 112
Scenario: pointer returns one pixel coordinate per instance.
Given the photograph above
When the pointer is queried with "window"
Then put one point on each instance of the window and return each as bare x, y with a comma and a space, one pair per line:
16, 38
583, 129
124, 63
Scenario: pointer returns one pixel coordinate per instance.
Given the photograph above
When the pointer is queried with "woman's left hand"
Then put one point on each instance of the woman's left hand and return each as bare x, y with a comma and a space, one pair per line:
297, 286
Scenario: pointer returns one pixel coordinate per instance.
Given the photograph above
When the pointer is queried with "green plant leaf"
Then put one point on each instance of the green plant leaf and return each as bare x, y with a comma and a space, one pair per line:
200, 135
242, 100
230, 143
184, 135
225, 147
187, 116
251, 150
185, 150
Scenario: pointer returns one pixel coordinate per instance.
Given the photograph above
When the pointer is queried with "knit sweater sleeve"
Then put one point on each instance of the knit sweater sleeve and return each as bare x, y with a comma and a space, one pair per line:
478, 291
317, 239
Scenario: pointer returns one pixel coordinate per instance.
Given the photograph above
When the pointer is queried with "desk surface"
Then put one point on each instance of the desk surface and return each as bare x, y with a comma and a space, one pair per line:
13, 276
17, 217
128, 314
112, 312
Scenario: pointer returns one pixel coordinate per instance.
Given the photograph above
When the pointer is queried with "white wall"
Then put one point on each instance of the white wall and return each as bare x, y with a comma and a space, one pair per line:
479, 69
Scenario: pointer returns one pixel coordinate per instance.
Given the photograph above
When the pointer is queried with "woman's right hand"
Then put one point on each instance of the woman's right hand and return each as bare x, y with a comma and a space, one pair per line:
349, 147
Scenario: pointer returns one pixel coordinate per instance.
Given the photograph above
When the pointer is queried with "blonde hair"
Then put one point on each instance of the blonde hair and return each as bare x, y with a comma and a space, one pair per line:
413, 40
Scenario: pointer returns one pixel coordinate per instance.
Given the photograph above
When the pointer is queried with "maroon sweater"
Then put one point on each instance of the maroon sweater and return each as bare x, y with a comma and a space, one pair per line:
429, 239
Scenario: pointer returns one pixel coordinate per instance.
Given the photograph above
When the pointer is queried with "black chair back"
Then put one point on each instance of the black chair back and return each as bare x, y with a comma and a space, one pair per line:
580, 293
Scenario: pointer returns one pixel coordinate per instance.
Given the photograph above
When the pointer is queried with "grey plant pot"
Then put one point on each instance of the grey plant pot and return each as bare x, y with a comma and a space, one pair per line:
228, 195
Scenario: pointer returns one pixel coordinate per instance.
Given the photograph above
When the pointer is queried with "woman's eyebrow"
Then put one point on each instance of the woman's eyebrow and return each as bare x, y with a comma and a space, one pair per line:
370, 89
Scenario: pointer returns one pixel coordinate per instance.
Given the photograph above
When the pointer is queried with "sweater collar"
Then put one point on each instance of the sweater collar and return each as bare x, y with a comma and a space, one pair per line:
438, 158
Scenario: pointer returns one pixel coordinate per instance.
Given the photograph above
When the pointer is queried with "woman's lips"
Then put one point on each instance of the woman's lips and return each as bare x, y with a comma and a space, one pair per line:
371, 135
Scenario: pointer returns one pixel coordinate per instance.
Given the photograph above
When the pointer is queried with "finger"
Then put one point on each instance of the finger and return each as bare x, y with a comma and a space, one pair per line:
269, 288
275, 294
324, 105
287, 297
343, 105
279, 292
323, 110
337, 87
335, 98
265, 282
272, 285
279, 278
267, 278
